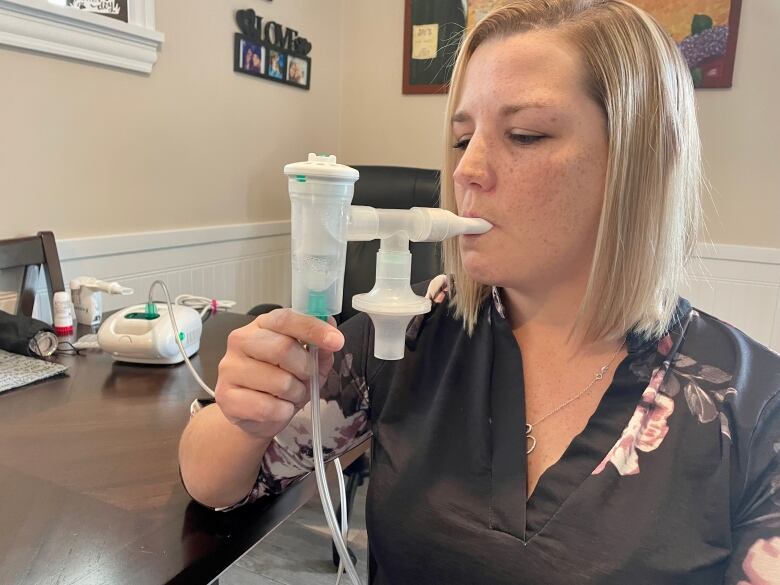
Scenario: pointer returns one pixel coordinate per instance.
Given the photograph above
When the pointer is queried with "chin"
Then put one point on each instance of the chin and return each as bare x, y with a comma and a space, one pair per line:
496, 270
479, 269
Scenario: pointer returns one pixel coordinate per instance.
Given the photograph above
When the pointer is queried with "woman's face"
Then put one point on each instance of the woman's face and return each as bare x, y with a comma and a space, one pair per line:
531, 159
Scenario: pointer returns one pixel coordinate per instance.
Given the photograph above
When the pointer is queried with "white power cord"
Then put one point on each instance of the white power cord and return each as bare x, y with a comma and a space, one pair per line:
339, 538
204, 304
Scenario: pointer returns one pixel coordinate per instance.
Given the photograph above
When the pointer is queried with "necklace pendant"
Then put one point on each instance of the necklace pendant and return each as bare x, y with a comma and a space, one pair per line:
530, 443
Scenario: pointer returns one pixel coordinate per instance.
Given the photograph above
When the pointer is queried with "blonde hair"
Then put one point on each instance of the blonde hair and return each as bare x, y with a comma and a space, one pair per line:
650, 215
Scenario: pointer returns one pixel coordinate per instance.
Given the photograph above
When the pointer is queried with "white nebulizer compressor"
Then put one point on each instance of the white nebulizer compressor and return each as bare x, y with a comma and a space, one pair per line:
144, 334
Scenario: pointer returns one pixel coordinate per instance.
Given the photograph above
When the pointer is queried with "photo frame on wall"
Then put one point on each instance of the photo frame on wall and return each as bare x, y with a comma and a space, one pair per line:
251, 56
432, 31
704, 30
270, 51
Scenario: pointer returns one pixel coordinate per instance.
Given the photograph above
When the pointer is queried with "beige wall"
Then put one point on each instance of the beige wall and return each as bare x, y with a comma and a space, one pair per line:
740, 129
740, 126
88, 150
380, 125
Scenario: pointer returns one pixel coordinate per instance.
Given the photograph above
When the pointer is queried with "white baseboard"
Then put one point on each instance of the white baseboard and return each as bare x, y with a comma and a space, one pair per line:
247, 263
250, 264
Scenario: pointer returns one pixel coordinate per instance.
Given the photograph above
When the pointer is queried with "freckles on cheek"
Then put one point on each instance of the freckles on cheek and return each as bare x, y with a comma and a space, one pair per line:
556, 202
543, 193
576, 186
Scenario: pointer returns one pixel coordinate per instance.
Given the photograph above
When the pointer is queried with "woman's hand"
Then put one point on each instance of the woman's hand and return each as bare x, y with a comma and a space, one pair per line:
264, 376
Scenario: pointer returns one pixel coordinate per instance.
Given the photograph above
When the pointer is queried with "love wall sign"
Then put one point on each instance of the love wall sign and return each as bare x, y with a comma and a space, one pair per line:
271, 51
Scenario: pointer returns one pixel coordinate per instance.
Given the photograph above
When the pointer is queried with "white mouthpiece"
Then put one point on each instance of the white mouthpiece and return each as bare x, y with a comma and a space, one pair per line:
441, 224
474, 225
420, 224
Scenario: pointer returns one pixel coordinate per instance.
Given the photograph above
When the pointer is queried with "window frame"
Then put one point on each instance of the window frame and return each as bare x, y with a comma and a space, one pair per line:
40, 26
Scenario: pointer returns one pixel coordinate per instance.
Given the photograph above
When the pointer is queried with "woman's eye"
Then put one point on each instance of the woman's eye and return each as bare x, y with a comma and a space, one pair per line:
525, 139
461, 144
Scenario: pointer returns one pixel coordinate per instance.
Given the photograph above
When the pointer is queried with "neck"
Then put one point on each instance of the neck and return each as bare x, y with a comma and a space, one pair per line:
543, 319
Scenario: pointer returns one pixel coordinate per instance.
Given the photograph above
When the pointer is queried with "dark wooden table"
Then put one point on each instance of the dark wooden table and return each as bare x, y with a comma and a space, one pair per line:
89, 484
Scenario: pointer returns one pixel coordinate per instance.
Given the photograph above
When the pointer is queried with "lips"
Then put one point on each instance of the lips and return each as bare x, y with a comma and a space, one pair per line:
472, 213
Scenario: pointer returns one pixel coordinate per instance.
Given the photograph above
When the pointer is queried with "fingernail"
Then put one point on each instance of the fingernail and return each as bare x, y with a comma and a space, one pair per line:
332, 340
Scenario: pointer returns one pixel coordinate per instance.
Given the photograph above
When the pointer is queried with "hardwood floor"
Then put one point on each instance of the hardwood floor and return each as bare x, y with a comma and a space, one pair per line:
299, 551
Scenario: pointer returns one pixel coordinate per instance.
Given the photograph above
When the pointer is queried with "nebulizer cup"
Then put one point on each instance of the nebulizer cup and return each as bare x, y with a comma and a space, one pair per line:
320, 193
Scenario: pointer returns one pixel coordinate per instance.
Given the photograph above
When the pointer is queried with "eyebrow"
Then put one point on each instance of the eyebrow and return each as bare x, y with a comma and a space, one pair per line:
505, 111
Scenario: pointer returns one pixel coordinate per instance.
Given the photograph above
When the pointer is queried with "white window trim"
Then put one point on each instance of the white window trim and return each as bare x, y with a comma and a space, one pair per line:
40, 26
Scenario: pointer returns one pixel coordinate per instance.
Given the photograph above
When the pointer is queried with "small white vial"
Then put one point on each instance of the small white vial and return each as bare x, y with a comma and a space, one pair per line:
63, 317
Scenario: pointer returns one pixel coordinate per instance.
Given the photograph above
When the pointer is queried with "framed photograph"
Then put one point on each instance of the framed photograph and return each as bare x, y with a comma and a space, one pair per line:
258, 59
298, 71
277, 65
251, 57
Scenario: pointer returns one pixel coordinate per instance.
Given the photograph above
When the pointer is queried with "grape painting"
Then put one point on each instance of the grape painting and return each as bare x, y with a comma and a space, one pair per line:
705, 31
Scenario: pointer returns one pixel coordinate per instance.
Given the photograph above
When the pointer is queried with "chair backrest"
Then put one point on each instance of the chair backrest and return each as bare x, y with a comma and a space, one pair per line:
33, 253
390, 188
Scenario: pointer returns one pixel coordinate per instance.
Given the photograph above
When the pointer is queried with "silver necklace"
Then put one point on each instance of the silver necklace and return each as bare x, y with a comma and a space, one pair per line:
530, 439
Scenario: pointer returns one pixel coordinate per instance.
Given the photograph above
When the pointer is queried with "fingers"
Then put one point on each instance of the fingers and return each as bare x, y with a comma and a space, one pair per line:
279, 346
305, 328
256, 375
264, 376
247, 405
269, 347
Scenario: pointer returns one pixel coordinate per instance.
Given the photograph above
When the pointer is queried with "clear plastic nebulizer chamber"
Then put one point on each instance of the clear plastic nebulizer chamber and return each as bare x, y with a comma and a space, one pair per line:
323, 219
321, 194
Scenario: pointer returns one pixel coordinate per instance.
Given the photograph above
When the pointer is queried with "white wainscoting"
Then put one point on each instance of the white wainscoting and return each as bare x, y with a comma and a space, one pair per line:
739, 285
250, 264
247, 263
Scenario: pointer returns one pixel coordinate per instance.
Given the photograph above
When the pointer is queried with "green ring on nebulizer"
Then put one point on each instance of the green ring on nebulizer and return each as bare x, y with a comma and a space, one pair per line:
318, 305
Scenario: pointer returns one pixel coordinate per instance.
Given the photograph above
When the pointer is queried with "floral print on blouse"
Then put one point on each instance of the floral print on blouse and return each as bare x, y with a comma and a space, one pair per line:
675, 479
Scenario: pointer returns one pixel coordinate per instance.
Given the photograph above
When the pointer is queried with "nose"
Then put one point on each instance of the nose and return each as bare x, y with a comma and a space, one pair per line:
474, 170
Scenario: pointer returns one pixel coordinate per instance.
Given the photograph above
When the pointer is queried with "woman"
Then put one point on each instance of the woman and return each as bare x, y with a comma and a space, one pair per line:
561, 415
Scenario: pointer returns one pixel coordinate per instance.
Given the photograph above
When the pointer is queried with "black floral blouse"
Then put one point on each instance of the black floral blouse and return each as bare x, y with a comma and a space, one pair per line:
675, 479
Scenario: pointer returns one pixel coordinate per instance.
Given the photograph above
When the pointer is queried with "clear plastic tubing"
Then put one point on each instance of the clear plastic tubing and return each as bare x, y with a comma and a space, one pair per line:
319, 468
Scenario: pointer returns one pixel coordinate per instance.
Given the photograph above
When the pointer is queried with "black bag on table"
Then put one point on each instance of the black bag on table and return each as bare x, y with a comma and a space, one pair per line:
26, 336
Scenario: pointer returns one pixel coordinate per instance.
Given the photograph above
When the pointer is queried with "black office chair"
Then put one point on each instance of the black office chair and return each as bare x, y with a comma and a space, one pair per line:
35, 254
387, 188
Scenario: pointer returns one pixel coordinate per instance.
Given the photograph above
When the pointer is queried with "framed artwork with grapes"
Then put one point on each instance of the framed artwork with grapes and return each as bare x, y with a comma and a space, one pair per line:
705, 31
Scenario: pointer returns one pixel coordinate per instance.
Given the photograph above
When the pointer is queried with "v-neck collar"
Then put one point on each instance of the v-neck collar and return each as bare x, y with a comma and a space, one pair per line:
507, 425
511, 511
